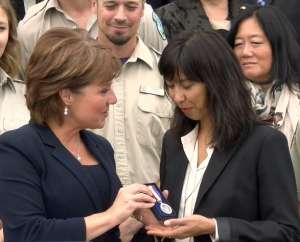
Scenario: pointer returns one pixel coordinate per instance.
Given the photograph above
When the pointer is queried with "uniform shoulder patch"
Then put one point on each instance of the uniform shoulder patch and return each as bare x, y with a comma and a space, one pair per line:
159, 25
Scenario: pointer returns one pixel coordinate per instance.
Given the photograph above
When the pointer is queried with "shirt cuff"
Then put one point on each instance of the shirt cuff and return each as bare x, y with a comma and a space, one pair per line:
215, 236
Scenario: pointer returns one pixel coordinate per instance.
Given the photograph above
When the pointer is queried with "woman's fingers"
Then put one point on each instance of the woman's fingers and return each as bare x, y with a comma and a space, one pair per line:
175, 222
138, 188
141, 197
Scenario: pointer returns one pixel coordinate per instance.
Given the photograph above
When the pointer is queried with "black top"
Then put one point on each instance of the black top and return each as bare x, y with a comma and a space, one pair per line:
99, 176
189, 15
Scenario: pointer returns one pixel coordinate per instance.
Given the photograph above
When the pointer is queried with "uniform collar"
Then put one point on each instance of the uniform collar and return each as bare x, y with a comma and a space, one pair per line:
143, 53
53, 4
4, 77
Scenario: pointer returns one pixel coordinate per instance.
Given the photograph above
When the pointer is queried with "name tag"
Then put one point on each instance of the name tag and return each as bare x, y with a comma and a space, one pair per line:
153, 91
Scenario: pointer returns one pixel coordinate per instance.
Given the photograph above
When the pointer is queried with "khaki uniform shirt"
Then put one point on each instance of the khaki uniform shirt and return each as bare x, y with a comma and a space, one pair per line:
13, 110
137, 122
48, 14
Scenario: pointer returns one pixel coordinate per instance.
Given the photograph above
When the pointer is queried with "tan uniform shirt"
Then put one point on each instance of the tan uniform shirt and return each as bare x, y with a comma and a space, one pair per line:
137, 122
48, 14
13, 110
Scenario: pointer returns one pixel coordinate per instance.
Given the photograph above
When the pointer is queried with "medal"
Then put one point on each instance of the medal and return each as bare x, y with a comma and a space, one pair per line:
165, 208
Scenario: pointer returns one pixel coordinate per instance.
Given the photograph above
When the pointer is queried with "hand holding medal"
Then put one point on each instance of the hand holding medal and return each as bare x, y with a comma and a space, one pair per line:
162, 209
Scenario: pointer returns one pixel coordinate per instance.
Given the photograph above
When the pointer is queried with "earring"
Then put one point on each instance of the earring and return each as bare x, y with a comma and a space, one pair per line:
66, 111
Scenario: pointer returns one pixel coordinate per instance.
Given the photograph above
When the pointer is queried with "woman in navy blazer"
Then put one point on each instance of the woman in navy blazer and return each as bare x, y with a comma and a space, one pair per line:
229, 177
58, 181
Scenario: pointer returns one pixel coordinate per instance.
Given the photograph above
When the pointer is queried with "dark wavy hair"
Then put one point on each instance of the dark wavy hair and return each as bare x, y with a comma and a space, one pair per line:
206, 57
10, 60
283, 39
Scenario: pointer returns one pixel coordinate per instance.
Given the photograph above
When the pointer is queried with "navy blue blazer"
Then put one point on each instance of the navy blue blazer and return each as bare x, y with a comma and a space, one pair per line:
250, 188
44, 191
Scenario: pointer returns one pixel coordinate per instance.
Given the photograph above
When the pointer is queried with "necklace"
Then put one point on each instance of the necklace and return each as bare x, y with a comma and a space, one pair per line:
78, 157
76, 153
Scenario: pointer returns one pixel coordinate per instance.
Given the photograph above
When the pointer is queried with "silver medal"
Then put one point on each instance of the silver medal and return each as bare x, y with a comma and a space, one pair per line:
165, 208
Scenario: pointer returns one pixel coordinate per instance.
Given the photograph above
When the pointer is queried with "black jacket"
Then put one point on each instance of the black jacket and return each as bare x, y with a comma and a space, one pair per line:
189, 15
250, 188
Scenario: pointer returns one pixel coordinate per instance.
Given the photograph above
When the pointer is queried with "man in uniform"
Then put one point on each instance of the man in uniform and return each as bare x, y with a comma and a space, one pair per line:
77, 14
136, 124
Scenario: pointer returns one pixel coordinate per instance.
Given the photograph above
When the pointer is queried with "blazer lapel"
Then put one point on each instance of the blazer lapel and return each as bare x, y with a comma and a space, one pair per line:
61, 154
217, 163
180, 166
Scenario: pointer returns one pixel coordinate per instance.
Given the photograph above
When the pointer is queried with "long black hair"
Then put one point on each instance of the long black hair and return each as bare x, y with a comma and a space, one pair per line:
283, 39
207, 58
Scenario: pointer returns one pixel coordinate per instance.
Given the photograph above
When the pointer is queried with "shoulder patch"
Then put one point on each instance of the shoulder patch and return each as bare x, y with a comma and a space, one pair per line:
159, 25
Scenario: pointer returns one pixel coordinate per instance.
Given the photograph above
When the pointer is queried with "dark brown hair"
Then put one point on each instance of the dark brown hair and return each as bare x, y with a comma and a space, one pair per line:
64, 58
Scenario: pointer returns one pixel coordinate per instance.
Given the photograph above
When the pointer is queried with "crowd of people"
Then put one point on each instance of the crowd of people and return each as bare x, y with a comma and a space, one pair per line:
99, 98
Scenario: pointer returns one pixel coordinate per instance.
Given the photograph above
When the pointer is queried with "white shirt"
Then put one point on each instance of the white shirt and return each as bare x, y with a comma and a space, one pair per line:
193, 176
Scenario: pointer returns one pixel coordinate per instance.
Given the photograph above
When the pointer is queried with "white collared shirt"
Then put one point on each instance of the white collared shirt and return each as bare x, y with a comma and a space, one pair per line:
193, 176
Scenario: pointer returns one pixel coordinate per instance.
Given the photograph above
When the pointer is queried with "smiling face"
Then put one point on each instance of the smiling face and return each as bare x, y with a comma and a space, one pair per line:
88, 108
190, 97
253, 51
4, 31
119, 20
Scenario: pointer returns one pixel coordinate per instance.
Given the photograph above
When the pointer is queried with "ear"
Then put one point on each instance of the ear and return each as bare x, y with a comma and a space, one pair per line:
66, 96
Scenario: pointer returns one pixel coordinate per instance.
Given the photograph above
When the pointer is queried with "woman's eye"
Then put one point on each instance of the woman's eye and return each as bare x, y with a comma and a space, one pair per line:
104, 91
187, 85
257, 43
3, 28
237, 44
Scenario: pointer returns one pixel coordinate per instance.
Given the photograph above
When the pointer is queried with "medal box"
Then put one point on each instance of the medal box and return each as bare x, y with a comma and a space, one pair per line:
162, 210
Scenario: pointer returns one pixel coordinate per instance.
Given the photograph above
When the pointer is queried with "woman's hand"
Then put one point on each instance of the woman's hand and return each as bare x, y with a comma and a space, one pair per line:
129, 199
146, 216
181, 228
